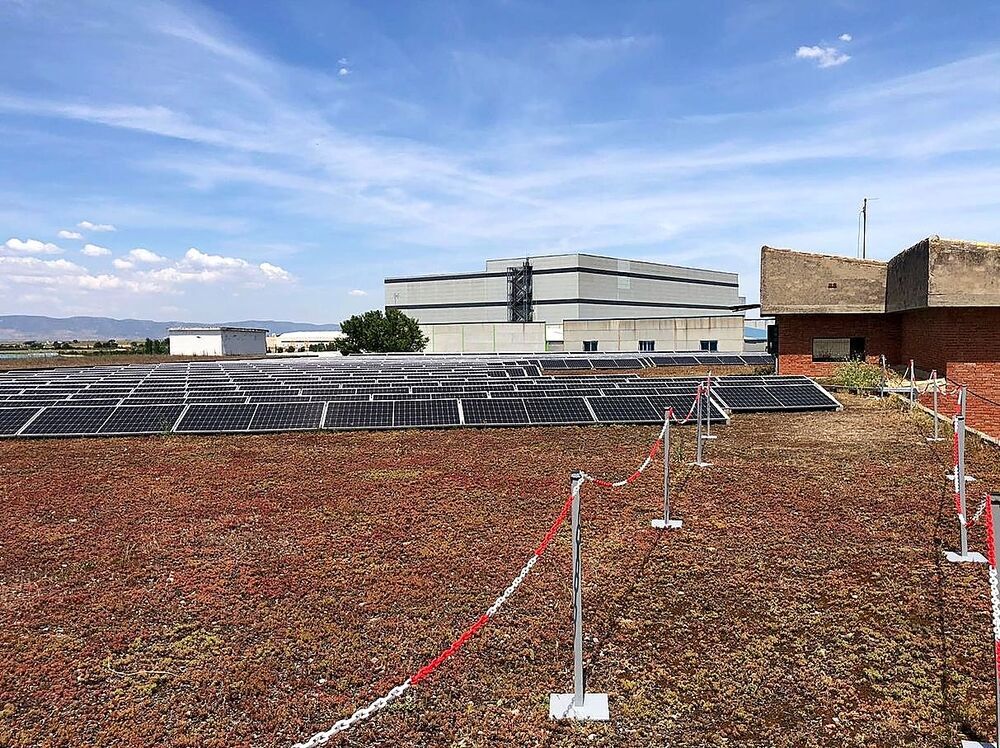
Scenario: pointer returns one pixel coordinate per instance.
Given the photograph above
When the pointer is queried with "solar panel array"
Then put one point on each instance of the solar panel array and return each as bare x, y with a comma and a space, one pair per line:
367, 392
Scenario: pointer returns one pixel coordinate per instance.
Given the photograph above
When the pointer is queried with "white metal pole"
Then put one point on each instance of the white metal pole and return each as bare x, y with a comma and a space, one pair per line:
666, 523
960, 480
578, 705
913, 383
708, 408
937, 434
578, 684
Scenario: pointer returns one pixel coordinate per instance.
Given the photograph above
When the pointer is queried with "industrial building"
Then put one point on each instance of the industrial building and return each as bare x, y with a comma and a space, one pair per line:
553, 288
937, 303
217, 341
573, 302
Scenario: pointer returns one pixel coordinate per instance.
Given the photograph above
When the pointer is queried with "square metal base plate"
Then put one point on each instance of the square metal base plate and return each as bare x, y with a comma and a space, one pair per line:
975, 744
709, 436
938, 439
670, 524
969, 558
594, 709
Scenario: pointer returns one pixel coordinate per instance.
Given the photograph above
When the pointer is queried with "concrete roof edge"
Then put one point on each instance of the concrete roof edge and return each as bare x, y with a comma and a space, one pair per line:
858, 260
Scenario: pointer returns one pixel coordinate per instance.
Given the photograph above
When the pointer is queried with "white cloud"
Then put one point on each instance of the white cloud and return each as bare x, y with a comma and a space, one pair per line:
140, 254
36, 266
825, 57
95, 250
343, 72
88, 226
357, 292
64, 234
846, 38
32, 246
121, 264
198, 258
274, 272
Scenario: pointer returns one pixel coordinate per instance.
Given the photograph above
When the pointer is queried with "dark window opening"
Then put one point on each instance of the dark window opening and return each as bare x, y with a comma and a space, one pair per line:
589, 345
709, 345
825, 350
647, 345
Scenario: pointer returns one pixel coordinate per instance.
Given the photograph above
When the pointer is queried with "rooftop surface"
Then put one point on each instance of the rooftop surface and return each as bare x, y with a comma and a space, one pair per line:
254, 589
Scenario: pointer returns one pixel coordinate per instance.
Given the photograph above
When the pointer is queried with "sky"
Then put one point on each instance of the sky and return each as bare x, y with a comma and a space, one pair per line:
277, 160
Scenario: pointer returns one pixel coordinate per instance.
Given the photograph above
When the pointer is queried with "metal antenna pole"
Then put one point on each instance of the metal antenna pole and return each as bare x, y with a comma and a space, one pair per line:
864, 229
666, 523
578, 705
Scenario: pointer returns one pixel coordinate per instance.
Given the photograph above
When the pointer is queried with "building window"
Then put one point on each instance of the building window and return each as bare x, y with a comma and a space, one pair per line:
589, 345
838, 349
647, 345
710, 345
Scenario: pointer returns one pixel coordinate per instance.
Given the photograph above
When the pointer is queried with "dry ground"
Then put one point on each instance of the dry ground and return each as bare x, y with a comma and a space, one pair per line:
248, 590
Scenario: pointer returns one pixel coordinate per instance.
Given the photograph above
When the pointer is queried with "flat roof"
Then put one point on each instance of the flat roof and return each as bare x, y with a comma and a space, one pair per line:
221, 328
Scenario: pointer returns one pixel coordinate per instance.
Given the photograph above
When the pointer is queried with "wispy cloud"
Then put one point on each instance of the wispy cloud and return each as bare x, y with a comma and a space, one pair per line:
88, 225
95, 250
64, 234
357, 292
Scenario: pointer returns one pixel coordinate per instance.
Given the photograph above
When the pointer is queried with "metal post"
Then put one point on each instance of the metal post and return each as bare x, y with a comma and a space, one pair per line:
578, 705
937, 435
666, 523
960, 482
699, 449
708, 408
913, 384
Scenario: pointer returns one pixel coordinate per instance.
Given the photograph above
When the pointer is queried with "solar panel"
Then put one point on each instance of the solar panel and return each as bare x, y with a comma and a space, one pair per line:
558, 410
747, 398
625, 409
67, 421
215, 418
682, 405
494, 412
281, 416
802, 396
426, 413
142, 419
12, 419
367, 415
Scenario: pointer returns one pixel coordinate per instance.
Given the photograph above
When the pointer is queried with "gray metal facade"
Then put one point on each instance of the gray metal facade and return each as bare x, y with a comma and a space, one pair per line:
568, 286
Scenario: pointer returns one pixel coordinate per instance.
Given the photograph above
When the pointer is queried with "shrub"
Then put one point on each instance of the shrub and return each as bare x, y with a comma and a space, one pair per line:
859, 374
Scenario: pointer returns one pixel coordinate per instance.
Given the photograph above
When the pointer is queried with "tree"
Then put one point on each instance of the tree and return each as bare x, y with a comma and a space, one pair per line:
374, 332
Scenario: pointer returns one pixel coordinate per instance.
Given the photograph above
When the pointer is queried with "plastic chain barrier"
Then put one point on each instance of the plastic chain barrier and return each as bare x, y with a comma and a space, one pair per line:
380, 703
653, 450
956, 493
994, 585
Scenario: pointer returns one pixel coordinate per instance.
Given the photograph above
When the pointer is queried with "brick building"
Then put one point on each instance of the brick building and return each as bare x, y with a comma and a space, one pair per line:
937, 303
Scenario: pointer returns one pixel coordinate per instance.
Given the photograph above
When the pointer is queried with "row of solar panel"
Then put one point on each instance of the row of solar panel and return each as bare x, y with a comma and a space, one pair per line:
219, 418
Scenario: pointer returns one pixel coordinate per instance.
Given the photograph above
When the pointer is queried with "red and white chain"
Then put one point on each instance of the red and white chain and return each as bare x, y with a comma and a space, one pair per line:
380, 703
994, 582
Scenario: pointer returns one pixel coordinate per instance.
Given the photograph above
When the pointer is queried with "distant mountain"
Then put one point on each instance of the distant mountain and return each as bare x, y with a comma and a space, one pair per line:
20, 327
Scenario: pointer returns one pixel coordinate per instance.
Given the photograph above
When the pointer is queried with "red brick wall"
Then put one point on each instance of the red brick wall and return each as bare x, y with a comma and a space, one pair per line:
796, 333
961, 343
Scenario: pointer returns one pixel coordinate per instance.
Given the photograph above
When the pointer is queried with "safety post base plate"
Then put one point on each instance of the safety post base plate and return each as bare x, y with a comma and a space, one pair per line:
969, 558
670, 524
594, 708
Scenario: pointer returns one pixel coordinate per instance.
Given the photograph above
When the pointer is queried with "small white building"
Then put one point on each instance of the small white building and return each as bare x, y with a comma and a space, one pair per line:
653, 334
302, 341
217, 341
484, 337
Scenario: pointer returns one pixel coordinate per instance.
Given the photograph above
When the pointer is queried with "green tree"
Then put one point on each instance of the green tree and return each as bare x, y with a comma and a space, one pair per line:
375, 332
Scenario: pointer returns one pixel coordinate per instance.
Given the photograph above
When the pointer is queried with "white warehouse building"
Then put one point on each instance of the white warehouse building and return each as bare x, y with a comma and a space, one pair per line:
553, 288
217, 341
574, 302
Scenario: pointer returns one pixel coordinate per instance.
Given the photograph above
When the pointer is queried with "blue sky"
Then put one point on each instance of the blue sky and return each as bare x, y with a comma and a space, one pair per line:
175, 160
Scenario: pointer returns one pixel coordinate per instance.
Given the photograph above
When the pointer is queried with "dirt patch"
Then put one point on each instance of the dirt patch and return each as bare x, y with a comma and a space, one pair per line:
249, 590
